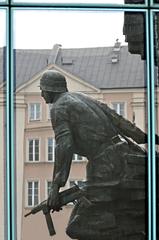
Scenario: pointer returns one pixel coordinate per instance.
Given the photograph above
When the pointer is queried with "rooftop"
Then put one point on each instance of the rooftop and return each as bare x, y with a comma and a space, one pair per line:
103, 67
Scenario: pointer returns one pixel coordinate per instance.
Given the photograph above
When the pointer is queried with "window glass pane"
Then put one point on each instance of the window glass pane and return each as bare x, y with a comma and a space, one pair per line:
36, 201
30, 150
106, 62
36, 193
31, 111
36, 185
36, 150
49, 108
33, 150
51, 149
77, 157
30, 200
30, 191
76, 182
119, 107
80, 183
34, 111
72, 183
38, 111
3, 173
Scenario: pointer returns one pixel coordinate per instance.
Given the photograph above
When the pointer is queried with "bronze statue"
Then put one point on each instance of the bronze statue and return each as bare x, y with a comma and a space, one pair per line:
116, 164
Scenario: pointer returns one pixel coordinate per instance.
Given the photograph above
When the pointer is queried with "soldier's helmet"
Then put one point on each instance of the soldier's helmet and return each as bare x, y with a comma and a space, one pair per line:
53, 81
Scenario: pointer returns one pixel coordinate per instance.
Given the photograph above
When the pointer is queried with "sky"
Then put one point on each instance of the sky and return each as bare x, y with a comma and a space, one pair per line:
41, 29
2, 28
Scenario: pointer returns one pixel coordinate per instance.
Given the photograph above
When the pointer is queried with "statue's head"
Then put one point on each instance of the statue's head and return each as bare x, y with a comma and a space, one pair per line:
52, 83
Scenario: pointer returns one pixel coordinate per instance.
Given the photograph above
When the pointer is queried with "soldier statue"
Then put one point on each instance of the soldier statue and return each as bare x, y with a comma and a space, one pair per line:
115, 182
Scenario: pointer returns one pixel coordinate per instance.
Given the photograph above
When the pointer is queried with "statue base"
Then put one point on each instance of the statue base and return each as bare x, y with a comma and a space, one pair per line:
118, 210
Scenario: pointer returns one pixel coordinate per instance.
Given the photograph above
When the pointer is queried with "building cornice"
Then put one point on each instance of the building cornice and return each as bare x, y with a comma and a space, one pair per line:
38, 128
124, 90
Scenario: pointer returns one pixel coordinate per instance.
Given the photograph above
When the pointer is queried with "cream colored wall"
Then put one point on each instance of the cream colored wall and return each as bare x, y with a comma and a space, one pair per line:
36, 228
2, 162
109, 98
79, 86
139, 108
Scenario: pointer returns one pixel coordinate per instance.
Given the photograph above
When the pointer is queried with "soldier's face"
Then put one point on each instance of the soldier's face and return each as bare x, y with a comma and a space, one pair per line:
48, 96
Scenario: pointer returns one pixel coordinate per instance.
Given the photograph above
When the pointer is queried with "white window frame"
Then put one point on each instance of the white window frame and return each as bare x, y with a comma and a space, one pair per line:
75, 180
118, 107
35, 112
53, 153
27, 152
48, 111
26, 192
76, 158
46, 187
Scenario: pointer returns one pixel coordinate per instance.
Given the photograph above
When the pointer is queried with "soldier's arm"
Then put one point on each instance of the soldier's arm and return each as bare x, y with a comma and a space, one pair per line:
63, 157
63, 154
64, 148
126, 127
129, 129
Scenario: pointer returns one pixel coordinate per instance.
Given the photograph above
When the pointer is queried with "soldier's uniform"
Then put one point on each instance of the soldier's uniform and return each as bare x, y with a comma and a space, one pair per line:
115, 170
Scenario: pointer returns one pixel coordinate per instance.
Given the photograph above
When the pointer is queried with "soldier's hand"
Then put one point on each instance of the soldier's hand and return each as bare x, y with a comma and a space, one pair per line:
53, 199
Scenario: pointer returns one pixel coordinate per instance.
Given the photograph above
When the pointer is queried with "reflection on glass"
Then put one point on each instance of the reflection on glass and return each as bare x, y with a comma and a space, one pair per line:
70, 1
134, 31
96, 60
156, 78
2, 124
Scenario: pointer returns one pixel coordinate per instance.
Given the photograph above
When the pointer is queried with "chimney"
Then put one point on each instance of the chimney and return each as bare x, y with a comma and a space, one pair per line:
53, 53
116, 52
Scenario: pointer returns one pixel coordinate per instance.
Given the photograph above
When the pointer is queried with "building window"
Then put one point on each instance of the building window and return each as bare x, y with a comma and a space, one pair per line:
33, 150
33, 193
77, 157
49, 184
34, 111
51, 149
77, 182
119, 107
49, 109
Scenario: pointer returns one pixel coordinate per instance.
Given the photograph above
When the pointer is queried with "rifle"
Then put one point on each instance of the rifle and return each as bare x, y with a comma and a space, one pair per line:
69, 195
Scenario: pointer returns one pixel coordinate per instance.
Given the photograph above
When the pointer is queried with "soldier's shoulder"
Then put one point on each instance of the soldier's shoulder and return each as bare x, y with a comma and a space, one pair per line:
64, 102
68, 99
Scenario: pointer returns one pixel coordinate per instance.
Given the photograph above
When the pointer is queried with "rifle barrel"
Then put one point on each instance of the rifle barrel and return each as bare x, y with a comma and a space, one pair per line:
27, 214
